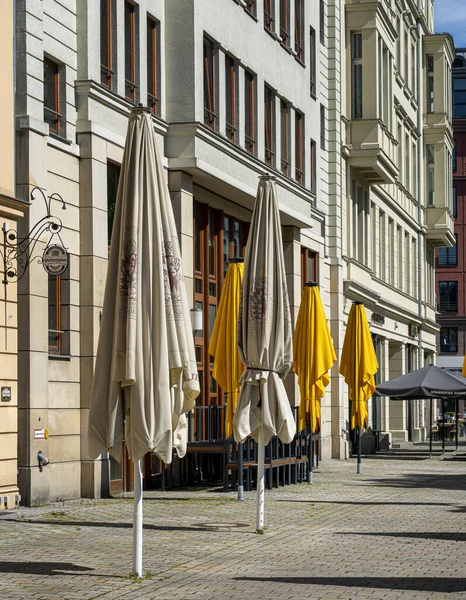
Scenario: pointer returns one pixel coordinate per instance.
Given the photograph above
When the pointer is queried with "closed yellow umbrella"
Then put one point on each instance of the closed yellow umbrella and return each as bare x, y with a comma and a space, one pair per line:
358, 365
314, 355
223, 343
463, 370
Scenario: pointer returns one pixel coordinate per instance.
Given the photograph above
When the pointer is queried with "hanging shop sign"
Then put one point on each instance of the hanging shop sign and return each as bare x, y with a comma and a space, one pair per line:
55, 259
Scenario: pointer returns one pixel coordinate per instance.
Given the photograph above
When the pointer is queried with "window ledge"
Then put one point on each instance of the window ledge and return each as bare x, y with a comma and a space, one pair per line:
66, 357
60, 138
298, 60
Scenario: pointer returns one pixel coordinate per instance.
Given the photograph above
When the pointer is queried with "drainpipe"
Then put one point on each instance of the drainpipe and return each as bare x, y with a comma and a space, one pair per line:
420, 243
14, 95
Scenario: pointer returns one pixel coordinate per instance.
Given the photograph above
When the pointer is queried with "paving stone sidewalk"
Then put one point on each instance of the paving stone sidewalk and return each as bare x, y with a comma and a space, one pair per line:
396, 531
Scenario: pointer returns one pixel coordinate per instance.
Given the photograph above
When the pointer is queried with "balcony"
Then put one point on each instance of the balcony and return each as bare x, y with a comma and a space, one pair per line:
371, 150
439, 224
448, 306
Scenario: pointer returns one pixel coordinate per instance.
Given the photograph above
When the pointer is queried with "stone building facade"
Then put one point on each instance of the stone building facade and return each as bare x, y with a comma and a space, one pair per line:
317, 95
11, 210
450, 268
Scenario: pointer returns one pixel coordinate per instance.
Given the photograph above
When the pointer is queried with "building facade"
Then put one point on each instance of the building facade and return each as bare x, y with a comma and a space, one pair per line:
321, 97
11, 210
450, 267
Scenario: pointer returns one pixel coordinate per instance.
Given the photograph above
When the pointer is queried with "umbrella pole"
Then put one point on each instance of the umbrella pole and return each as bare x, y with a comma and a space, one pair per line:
443, 425
457, 406
311, 456
260, 484
431, 426
240, 472
137, 520
358, 434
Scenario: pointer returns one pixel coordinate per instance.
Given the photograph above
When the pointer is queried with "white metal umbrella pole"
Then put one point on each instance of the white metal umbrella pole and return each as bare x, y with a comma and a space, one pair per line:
260, 483
137, 520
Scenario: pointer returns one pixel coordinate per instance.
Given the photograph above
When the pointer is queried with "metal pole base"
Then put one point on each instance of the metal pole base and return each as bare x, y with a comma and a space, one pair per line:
241, 493
359, 470
309, 477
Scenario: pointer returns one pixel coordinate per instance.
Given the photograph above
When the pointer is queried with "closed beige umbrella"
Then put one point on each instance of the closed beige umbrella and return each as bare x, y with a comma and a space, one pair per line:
264, 336
146, 347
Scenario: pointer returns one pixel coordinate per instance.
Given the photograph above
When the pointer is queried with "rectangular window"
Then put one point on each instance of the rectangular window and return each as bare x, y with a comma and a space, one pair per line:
113, 176
251, 7
269, 12
448, 296
250, 111
230, 98
454, 203
285, 22
459, 96
453, 157
430, 83
406, 53
299, 148
106, 42
430, 175
55, 327
309, 266
299, 29
322, 126
210, 116
153, 66
313, 182
52, 114
130, 52
356, 71
322, 21
413, 68
407, 164
285, 137
312, 63
448, 256
448, 339
269, 126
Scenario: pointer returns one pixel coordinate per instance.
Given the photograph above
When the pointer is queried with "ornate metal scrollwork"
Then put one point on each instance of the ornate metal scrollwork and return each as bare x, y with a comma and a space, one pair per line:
19, 253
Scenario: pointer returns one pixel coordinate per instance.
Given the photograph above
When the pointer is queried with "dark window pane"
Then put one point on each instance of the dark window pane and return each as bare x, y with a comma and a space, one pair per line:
113, 175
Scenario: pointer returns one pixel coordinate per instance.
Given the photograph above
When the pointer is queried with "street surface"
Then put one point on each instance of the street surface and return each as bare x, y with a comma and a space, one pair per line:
396, 531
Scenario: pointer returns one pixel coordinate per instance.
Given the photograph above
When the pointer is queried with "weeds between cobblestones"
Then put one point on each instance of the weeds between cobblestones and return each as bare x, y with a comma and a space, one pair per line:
394, 532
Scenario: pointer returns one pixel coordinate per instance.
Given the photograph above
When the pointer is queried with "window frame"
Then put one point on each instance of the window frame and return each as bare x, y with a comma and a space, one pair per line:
52, 113
313, 172
322, 22
447, 305
56, 349
285, 137
250, 111
312, 63
269, 15
448, 257
447, 336
231, 130
430, 99
356, 67
299, 148
106, 71
430, 176
285, 22
130, 52
323, 121
153, 66
299, 30
309, 258
210, 82
269, 126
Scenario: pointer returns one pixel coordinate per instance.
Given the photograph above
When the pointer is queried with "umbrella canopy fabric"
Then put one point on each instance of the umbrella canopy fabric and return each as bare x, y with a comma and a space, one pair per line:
146, 346
314, 355
228, 367
358, 364
463, 369
264, 328
425, 383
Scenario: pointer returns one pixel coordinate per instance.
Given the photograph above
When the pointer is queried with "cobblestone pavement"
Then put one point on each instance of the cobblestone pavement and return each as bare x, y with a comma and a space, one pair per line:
396, 531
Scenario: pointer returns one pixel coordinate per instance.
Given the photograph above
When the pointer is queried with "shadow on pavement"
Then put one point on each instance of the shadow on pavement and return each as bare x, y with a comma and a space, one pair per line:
448, 585
442, 482
43, 568
147, 526
362, 503
448, 536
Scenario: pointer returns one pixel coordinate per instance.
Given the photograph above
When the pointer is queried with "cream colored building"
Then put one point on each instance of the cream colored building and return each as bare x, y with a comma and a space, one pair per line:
396, 203
239, 88
11, 209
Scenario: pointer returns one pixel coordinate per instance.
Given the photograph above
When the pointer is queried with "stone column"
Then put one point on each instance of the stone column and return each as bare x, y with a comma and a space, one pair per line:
397, 410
